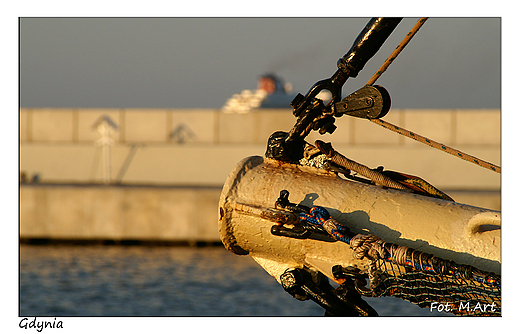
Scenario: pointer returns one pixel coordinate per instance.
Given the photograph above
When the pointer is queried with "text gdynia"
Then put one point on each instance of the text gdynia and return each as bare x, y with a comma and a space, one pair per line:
25, 323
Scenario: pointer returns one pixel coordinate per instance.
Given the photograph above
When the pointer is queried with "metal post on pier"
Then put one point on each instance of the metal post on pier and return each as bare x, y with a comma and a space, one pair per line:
106, 127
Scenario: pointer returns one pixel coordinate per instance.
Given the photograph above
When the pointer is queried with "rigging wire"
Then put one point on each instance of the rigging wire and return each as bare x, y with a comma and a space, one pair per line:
411, 134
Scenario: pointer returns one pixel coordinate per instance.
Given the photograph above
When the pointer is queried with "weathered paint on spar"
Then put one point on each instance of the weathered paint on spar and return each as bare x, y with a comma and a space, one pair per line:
454, 231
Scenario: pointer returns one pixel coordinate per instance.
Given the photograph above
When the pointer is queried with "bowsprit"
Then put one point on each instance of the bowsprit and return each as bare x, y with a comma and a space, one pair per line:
374, 232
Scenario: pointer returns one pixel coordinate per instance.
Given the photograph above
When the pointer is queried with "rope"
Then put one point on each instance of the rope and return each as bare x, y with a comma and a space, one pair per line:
437, 145
419, 277
410, 134
378, 178
321, 217
397, 50
374, 248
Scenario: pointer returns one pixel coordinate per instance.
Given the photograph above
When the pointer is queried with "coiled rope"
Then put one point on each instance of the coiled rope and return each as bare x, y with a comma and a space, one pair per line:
410, 134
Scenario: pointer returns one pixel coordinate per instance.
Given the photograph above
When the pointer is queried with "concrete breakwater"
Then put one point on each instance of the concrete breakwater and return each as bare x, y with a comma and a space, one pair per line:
119, 213
139, 214
166, 168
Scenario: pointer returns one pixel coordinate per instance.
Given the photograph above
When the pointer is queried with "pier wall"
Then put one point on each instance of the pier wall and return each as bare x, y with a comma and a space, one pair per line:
119, 213
166, 156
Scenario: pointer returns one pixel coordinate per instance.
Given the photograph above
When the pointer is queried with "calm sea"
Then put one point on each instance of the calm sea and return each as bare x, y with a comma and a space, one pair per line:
68, 280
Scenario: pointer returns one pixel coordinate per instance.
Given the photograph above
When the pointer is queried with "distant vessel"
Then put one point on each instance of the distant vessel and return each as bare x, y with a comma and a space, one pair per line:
271, 92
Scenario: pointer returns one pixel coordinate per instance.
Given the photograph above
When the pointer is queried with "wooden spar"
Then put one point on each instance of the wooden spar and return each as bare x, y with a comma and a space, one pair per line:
453, 231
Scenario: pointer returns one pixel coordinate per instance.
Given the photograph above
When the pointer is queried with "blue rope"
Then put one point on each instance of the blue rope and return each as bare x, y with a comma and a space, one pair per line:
319, 215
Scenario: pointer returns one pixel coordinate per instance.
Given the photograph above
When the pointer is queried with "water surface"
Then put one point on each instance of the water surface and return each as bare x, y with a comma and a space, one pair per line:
69, 280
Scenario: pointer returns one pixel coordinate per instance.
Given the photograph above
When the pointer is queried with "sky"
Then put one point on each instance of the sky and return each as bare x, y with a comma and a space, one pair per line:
190, 62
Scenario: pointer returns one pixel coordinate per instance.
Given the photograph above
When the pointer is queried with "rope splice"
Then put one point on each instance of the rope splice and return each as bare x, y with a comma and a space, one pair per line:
389, 179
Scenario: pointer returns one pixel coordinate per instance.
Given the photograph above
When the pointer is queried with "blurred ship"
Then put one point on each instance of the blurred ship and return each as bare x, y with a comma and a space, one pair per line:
271, 92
